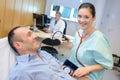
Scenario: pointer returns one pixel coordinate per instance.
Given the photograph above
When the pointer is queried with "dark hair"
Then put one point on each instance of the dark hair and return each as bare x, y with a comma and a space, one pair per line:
88, 5
11, 35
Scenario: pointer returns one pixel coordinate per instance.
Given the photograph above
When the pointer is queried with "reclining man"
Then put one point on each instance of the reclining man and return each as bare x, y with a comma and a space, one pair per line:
33, 63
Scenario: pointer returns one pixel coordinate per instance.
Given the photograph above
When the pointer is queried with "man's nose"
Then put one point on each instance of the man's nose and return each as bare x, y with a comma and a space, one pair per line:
34, 35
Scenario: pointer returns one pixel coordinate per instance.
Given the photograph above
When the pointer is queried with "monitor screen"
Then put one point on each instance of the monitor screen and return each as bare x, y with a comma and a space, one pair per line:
41, 20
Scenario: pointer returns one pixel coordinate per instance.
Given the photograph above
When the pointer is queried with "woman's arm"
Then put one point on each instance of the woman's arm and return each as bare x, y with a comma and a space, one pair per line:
67, 42
80, 72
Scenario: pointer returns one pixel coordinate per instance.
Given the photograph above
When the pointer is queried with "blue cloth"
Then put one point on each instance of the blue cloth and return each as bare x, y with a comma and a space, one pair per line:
94, 50
28, 67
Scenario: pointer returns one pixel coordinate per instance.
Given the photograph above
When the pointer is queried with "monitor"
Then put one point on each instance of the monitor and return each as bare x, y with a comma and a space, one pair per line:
42, 20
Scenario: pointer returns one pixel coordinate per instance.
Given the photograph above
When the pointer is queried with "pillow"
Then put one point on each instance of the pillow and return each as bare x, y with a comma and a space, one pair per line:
7, 58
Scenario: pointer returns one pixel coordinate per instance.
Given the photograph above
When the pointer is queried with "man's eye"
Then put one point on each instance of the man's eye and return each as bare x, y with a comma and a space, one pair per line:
29, 33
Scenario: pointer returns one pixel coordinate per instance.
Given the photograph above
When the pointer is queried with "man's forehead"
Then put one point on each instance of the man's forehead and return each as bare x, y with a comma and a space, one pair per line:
22, 30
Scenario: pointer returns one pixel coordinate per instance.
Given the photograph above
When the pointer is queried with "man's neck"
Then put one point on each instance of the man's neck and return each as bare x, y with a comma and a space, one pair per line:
30, 52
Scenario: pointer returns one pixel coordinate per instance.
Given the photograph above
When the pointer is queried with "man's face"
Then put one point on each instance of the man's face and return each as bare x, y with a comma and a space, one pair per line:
57, 16
29, 42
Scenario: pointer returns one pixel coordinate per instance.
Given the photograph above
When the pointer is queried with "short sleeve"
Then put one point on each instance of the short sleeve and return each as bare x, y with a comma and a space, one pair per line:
102, 53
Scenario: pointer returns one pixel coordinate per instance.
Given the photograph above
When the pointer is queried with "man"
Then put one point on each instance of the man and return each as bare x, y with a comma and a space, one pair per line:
56, 24
32, 63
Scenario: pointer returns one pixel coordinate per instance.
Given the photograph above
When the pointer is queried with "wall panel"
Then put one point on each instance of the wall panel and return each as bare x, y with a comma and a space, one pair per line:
24, 12
42, 6
2, 11
8, 16
30, 11
18, 12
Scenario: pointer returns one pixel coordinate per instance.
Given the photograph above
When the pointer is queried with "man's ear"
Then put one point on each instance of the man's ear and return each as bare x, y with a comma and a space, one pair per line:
17, 45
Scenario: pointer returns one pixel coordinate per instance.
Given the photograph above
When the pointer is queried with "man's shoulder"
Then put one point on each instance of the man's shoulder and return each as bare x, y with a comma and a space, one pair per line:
44, 53
61, 20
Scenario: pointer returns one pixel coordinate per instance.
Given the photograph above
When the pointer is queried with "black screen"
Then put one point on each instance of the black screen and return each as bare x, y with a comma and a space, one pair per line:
41, 20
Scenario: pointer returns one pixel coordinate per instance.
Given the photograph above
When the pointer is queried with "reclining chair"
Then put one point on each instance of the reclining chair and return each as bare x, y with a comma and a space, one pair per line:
51, 42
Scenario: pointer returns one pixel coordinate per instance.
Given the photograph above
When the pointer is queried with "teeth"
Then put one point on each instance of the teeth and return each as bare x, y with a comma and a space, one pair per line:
83, 24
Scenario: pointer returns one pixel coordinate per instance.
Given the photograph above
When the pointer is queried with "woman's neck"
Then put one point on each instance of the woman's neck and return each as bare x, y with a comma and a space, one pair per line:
89, 31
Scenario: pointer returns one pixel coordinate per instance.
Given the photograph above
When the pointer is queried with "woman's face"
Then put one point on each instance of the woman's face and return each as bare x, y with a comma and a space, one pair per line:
85, 18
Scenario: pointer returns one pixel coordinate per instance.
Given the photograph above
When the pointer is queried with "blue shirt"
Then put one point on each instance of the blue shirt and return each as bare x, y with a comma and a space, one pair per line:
28, 67
94, 50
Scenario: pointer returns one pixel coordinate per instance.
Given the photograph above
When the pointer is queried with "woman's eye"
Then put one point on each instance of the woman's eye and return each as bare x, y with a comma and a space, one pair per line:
86, 17
79, 16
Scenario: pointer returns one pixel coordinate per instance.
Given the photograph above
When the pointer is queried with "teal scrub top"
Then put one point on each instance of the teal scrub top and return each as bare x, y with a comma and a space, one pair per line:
94, 50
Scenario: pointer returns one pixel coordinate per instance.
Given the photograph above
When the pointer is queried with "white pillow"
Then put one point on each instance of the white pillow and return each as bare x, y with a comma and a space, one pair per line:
7, 58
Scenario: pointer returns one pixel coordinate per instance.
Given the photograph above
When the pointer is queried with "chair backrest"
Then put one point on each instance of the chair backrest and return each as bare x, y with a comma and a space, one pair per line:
51, 42
116, 60
50, 50
64, 32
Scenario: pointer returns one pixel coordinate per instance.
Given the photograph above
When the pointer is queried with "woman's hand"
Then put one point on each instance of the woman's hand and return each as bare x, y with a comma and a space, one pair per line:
66, 42
81, 72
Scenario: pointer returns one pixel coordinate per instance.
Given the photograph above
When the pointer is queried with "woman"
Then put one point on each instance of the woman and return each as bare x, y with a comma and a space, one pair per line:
90, 48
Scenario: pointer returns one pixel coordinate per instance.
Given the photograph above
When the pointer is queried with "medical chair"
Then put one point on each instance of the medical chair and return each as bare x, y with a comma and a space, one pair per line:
50, 43
7, 58
49, 46
116, 60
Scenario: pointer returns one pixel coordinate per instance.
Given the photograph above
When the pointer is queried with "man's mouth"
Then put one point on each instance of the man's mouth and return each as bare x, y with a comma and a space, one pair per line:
37, 39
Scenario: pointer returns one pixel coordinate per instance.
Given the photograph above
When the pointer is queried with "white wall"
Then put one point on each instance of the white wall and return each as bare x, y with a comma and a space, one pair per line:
110, 24
71, 26
99, 5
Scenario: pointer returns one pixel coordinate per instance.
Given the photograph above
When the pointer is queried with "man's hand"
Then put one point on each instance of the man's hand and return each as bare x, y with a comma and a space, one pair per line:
47, 30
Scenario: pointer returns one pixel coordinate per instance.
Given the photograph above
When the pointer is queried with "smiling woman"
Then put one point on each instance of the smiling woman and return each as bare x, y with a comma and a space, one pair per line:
89, 47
